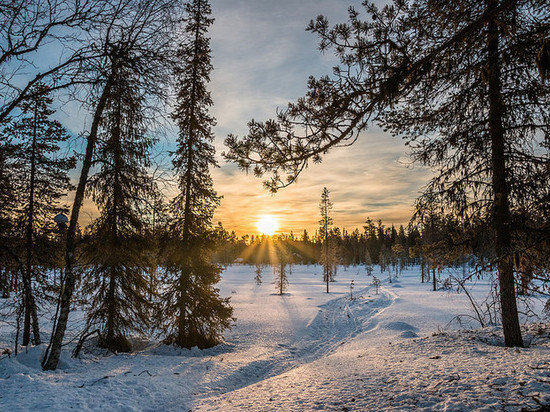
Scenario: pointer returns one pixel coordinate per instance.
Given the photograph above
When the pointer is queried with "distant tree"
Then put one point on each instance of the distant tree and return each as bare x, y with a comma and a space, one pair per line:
464, 83
41, 179
368, 263
258, 274
328, 254
196, 313
280, 267
376, 283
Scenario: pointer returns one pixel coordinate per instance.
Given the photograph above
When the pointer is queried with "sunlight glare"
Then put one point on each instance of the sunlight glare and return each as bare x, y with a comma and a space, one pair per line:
267, 225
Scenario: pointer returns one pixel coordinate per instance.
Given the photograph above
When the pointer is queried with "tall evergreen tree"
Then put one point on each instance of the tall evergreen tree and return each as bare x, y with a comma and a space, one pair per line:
327, 253
132, 33
41, 179
122, 188
197, 314
464, 82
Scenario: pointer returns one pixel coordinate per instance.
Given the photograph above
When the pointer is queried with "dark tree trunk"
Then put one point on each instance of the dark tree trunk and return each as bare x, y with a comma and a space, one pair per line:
110, 335
29, 303
54, 351
183, 304
501, 207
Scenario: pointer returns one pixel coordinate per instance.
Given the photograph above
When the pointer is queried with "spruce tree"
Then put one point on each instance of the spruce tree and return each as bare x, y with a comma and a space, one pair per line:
40, 173
136, 34
327, 253
8, 200
116, 252
282, 258
258, 272
196, 314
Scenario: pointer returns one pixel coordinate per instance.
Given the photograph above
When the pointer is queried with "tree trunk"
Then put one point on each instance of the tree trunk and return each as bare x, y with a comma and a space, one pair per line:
30, 304
501, 207
54, 351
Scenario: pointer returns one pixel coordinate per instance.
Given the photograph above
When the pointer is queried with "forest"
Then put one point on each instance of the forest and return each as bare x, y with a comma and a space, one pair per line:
465, 85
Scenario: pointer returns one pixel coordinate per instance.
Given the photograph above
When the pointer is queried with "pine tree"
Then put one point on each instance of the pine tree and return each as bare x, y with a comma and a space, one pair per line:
117, 252
328, 257
41, 179
197, 315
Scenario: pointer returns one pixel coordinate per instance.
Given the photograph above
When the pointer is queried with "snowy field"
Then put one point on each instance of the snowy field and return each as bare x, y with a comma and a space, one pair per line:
401, 349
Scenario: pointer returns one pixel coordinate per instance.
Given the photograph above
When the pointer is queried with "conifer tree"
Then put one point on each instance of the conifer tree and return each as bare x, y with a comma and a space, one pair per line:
122, 189
8, 200
132, 33
40, 174
328, 257
258, 273
282, 258
197, 315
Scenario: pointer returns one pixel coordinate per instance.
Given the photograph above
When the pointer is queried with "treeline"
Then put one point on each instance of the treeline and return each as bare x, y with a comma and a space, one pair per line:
433, 243
374, 244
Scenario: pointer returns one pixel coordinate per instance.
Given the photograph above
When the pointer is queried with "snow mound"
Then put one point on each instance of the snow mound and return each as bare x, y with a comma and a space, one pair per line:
408, 334
400, 326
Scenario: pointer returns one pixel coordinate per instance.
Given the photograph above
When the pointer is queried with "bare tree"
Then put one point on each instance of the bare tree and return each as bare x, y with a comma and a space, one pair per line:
27, 27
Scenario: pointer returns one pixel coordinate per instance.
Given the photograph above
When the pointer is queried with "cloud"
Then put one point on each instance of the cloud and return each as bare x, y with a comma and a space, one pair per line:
367, 179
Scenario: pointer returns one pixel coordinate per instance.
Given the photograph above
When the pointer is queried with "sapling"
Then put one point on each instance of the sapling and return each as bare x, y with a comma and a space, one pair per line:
376, 284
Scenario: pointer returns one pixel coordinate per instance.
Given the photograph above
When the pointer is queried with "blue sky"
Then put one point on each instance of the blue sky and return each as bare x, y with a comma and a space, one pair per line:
262, 58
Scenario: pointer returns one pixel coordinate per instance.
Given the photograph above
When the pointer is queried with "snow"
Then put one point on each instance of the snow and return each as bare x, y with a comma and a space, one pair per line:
307, 350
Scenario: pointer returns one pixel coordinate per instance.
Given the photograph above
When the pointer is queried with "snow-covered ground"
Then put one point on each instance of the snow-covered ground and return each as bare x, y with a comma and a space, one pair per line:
401, 349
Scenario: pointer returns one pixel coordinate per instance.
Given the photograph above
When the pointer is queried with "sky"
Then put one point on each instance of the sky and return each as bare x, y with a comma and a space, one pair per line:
262, 57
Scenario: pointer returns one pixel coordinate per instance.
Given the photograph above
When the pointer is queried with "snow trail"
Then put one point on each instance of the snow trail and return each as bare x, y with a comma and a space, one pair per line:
290, 341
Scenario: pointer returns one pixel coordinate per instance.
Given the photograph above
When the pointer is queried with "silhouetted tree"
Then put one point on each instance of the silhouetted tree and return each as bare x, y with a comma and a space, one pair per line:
117, 253
40, 177
328, 257
197, 315
132, 33
280, 264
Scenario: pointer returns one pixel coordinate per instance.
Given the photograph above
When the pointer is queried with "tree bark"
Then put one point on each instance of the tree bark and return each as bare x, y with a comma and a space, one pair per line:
54, 351
501, 206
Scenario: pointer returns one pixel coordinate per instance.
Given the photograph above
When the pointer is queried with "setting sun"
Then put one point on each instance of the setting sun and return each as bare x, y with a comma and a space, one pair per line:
267, 225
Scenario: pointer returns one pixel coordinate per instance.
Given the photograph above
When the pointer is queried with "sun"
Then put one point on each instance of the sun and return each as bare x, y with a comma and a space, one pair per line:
267, 225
